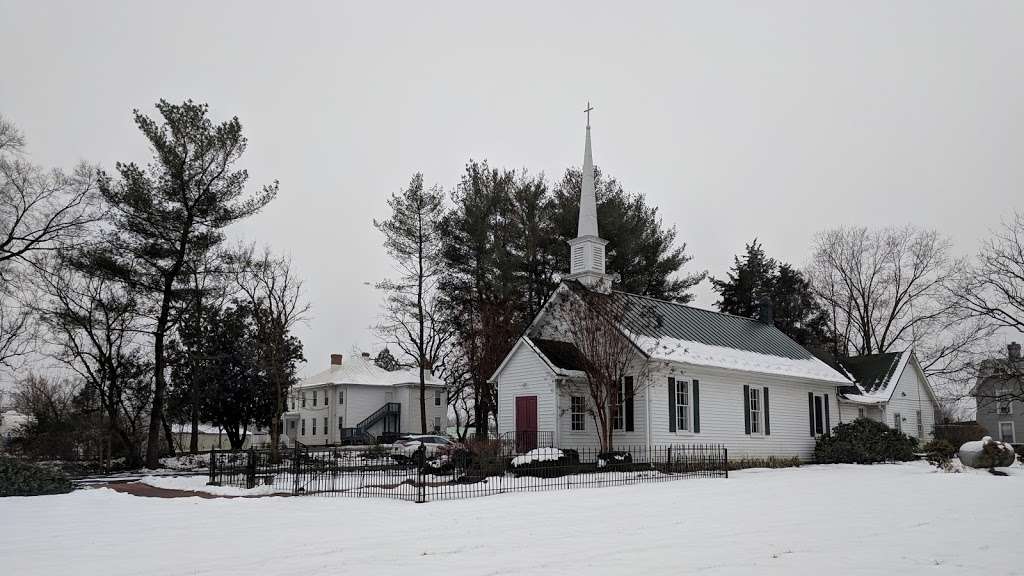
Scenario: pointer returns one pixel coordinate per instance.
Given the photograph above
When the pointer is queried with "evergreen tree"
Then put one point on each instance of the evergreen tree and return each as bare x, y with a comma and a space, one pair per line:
386, 360
641, 250
754, 276
170, 212
479, 288
412, 237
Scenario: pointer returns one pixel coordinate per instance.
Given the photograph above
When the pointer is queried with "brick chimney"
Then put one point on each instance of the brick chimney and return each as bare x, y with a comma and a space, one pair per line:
336, 359
765, 311
1013, 351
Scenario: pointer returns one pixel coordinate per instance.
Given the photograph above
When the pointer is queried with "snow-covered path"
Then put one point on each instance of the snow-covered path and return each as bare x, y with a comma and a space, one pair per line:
895, 519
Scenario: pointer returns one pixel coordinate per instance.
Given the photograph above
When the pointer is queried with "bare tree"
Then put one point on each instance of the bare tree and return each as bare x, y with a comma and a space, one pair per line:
605, 333
93, 326
991, 290
274, 291
414, 319
886, 289
40, 211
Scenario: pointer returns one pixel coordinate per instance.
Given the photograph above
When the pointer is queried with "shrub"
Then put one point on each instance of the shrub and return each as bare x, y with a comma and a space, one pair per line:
19, 478
480, 458
957, 433
864, 441
769, 462
940, 446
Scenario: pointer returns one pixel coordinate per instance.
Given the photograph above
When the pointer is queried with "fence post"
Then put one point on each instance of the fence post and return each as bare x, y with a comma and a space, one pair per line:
296, 468
725, 457
213, 468
420, 462
250, 469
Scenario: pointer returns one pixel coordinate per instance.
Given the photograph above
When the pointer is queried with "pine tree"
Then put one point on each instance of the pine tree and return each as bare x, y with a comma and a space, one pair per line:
641, 250
412, 237
754, 276
171, 211
386, 360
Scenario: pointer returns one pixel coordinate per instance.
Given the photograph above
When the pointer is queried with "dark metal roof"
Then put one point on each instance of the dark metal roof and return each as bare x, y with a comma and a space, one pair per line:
873, 371
563, 355
660, 319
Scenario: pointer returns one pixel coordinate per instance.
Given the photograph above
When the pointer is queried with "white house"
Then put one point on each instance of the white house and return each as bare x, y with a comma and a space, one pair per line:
890, 388
355, 397
712, 377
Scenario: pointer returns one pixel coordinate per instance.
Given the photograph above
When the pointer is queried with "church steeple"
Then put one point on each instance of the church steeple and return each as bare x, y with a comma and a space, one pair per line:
587, 248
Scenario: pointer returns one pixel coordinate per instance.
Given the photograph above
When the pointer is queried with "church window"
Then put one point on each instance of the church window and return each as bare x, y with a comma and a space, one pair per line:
578, 413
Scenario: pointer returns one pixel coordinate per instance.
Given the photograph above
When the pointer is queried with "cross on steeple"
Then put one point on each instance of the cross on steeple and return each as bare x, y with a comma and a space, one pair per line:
589, 108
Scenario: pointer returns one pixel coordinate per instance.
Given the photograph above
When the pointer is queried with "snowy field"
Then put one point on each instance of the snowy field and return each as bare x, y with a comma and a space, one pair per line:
891, 519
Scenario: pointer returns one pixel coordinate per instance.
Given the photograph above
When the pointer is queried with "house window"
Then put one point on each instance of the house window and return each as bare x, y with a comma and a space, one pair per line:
1003, 402
293, 402
1006, 432
341, 396
313, 420
578, 413
325, 426
303, 399
682, 405
619, 419
303, 432
819, 415
291, 424
437, 424
755, 410
341, 424
920, 426
897, 422
860, 412
314, 400
437, 397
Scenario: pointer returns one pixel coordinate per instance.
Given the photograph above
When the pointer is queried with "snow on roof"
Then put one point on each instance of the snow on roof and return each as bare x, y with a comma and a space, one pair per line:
359, 369
700, 354
876, 375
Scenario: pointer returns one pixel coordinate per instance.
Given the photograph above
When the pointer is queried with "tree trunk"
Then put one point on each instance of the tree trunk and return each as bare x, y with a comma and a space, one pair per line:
275, 419
168, 436
193, 443
157, 409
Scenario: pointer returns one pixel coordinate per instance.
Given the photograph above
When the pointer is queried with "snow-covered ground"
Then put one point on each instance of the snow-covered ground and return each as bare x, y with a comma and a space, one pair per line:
887, 519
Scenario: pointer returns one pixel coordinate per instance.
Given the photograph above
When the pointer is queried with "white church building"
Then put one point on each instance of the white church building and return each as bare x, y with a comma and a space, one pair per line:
710, 378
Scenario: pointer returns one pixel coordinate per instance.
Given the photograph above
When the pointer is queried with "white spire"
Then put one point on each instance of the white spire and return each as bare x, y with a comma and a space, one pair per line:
588, 198
586, 255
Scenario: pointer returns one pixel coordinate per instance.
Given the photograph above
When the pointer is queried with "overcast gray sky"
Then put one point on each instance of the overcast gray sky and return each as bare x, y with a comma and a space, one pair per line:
736, 119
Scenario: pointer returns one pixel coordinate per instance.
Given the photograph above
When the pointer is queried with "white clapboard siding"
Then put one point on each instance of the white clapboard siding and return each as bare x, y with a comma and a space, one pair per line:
722, 413
848, 412
910, 396
589, 438
526, 374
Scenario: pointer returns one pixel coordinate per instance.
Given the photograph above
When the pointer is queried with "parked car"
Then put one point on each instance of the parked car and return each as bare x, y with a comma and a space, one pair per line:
406, 448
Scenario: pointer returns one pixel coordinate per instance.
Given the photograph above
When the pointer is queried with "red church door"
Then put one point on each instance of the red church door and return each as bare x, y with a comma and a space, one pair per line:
526, 423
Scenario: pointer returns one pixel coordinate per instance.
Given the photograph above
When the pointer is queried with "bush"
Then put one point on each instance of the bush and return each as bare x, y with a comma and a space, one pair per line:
940, 447
18, 478
957, 433
769, 462
864, 441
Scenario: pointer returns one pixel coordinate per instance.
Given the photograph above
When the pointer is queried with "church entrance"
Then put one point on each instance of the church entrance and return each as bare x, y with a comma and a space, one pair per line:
526, 423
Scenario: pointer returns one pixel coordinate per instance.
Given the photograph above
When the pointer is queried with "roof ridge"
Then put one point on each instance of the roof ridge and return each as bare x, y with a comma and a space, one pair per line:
698, 308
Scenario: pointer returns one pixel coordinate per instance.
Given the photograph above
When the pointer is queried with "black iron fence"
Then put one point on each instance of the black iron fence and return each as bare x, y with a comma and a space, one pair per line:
478, 469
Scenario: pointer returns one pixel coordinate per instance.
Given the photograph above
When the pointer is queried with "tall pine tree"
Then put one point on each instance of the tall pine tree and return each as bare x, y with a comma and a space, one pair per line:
754, 276
170, 213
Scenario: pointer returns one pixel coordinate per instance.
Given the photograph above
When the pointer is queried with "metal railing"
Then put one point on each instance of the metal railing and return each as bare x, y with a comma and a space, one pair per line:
477, 469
